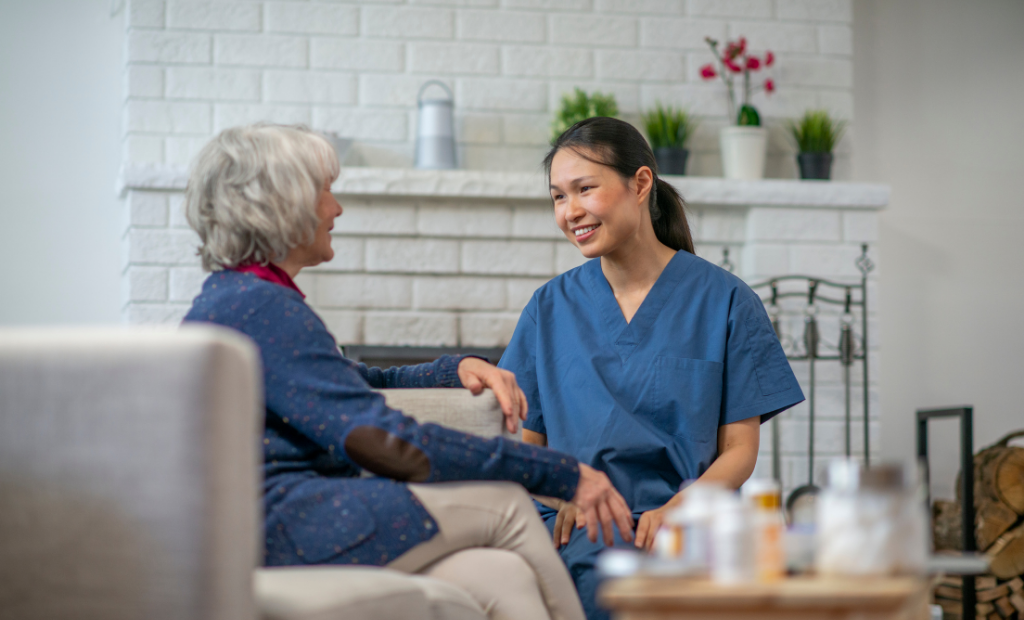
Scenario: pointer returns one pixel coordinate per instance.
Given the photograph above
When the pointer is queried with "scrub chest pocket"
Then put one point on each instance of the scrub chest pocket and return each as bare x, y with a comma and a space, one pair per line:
688, 397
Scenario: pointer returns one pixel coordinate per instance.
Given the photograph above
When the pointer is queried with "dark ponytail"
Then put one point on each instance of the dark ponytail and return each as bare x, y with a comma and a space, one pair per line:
618, 145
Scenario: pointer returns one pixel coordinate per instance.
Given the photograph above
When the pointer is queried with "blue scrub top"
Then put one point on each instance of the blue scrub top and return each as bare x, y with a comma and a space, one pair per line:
642, 401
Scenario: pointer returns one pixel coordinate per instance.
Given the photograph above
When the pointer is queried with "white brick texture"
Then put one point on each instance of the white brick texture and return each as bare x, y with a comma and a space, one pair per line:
146, 13
364, 291
531, 61
169, 47
597, 30
487, 330
535, 258
412, 255
501, 94
260, 50
356, 69
636, 66
460, 58
207, 83
458, 293
346, 326
144, 81
309, 87
147, 284
186, 283
679, 33
501, 26
213, 16
358, 55
823, 10
765, 224
326, 19
168, 118
760, 9
464, 221
407, 22
363, 124
424, 329
147, 209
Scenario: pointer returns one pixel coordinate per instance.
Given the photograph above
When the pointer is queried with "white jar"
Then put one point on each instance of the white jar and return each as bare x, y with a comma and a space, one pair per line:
732, 549
871, 521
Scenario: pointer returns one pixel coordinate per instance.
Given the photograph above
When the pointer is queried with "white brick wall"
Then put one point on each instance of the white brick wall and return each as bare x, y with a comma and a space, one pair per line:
355, 68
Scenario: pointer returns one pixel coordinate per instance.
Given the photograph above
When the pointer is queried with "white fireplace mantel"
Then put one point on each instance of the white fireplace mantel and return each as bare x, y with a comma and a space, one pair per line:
707, 191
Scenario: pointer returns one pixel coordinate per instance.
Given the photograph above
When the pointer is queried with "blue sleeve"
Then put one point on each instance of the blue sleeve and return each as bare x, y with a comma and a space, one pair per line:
311, 388
442, 372
521, 360
758, 380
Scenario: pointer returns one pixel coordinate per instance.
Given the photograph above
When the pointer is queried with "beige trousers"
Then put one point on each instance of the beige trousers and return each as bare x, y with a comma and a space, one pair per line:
493, 544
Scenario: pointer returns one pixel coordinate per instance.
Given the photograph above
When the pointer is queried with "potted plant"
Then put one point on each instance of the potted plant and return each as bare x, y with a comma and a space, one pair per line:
668, 129
579, 106
816, 134
743, 144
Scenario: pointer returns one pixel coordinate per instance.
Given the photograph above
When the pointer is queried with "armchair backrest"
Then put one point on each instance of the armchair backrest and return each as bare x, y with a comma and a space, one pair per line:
129, 471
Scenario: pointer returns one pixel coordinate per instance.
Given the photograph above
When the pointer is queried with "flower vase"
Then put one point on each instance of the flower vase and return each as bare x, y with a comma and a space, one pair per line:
743, 150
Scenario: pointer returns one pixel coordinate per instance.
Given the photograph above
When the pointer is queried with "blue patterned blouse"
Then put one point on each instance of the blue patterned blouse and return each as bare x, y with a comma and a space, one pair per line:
320, 411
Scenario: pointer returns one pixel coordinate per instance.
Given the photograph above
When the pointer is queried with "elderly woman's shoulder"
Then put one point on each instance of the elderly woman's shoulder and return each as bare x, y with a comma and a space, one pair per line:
228, 293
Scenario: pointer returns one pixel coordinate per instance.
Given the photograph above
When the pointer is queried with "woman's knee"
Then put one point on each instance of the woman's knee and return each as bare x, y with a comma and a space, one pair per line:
483, 570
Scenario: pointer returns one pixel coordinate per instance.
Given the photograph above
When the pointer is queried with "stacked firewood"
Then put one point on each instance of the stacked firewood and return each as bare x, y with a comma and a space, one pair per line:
999, 532
997, 599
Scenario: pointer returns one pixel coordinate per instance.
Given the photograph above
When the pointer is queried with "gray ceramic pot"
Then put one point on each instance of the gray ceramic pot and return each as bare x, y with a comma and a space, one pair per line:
671, 160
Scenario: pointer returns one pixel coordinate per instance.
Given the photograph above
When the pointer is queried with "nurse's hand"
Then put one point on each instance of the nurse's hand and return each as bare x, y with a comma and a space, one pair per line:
602, 505
568, 516
476, 374
647, 529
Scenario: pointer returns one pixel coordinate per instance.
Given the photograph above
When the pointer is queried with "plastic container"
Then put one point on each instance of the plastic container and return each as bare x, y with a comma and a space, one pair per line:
871, 521
763, 497
732, 552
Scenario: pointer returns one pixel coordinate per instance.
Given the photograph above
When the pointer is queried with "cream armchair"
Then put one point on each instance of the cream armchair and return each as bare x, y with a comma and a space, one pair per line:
129, 485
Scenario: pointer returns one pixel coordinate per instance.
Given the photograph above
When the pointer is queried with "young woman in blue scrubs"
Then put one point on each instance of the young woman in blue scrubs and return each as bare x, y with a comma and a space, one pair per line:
647, 362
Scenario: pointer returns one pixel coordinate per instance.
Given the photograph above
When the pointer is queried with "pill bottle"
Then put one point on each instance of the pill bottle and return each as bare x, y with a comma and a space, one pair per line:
732, 556
763, 497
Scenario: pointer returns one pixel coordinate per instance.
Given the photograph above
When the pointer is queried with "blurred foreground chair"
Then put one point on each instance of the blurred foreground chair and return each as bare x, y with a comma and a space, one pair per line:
129, 485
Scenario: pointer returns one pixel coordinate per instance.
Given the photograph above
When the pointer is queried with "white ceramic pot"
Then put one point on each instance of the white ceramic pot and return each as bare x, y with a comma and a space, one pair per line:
743, 150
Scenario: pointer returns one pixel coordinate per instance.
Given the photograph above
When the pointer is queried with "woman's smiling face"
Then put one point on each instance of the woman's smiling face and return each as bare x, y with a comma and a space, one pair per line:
595, 208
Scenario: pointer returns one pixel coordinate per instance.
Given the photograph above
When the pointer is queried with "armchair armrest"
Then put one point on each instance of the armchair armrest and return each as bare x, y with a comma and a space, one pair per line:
454, 408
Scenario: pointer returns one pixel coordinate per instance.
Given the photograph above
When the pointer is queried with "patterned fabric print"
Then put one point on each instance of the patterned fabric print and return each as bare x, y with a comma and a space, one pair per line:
317, 508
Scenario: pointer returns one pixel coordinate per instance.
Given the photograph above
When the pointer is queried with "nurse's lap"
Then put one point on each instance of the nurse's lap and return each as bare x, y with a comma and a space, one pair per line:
579, 550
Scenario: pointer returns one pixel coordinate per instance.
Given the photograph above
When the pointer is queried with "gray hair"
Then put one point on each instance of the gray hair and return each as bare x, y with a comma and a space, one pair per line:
253, 191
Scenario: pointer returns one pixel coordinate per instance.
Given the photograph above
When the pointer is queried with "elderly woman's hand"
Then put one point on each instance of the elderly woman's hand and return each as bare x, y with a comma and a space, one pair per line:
476, 374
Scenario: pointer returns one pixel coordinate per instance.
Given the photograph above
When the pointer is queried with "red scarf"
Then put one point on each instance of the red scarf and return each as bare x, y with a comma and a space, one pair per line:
271, 273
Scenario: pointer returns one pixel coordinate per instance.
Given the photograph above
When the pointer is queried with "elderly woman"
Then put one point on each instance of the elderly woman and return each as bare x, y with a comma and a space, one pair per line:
259, 197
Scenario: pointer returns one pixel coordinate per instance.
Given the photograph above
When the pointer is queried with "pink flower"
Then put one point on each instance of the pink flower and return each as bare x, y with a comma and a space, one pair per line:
735, 68
769, 58
708, 72
753, 63
743, 45
769, 86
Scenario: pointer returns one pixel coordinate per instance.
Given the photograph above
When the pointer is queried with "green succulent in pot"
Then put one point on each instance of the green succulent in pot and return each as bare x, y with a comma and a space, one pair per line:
816, 134
668, 129
579, 106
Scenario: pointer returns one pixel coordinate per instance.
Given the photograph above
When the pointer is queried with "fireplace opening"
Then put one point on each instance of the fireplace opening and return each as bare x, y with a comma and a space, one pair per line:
387, 356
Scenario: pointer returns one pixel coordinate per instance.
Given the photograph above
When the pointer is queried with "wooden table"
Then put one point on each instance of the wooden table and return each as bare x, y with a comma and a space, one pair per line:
798, 598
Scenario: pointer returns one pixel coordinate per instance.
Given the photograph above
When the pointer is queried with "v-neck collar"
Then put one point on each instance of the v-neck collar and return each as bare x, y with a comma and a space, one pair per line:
626, 336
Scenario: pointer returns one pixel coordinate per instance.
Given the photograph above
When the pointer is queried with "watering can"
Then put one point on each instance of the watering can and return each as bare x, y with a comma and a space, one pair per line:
435, 135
